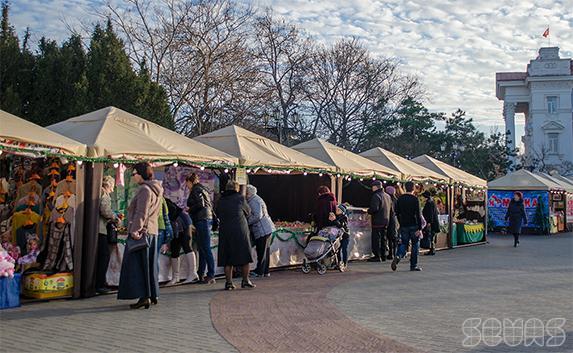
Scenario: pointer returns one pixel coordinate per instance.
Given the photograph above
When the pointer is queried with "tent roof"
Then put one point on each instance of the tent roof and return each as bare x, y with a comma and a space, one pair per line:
407, 168
15, 131
113, 133
521, 180
566, 182
345, 161
254, 150
558, 184
457, 175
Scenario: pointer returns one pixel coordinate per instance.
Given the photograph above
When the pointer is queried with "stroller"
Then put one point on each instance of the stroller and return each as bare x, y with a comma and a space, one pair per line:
323, 250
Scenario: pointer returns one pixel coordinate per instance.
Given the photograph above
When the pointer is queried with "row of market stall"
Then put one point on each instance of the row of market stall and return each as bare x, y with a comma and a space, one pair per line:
548, 201
50, 181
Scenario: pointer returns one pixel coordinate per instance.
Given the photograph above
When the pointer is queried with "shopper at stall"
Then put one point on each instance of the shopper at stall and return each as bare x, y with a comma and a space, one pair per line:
379, 210
261, 226
138, 278
106, 216
326, 203
430, 214
234, 242
201, 212
516, 216
181, 224
165, 230
410, 219
392, 230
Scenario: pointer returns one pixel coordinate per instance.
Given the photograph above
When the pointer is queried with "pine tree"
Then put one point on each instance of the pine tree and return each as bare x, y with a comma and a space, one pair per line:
10, 65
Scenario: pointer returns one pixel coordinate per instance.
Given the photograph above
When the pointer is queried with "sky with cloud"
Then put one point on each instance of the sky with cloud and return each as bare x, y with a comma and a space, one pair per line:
455, 46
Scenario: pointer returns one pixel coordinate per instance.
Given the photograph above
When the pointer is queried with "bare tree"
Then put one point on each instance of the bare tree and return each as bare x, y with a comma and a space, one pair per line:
348, 89
282, 52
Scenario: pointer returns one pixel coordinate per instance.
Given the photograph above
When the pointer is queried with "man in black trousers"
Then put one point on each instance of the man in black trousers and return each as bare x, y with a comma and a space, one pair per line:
380, 206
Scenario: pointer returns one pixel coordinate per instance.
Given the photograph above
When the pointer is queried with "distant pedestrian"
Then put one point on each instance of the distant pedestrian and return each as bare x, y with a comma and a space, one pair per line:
430, 214
262, 227
516, 216
234, 241
201, 212
379, 210
339, 219
138, 277
392, 230
325, 204
410, 219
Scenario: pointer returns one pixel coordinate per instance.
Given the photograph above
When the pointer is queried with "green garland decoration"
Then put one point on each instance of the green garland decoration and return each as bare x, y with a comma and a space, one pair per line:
292, 235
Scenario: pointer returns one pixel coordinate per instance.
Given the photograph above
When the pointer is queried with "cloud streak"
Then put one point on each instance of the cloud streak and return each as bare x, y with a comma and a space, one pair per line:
456, 47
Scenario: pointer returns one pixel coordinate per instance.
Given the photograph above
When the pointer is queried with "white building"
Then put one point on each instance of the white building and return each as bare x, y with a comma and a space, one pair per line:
544, 94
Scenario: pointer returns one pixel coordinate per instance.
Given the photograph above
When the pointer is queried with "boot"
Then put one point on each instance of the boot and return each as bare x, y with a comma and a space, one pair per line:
174, 272
191, 268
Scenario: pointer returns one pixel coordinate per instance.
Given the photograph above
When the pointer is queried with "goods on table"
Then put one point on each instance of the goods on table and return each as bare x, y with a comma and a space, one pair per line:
43, 286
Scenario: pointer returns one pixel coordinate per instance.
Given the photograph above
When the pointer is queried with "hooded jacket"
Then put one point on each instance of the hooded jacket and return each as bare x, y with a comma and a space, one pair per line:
145, 207
259, 220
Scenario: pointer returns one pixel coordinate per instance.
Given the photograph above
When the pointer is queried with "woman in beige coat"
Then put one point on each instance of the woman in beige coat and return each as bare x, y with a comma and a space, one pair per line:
138, 278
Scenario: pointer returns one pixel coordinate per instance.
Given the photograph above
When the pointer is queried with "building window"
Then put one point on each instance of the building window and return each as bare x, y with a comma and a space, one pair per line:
553, 143
552, 104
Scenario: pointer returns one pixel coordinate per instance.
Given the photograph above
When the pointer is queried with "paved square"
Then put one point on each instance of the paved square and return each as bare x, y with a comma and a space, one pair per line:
369, 309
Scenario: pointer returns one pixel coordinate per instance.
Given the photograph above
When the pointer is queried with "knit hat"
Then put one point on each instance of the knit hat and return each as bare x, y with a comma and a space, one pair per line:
390, 190
343, 208
377, 183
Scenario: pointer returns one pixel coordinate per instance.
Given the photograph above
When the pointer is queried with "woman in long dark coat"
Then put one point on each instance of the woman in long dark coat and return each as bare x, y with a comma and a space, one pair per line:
138, 278
234, 240
516, 216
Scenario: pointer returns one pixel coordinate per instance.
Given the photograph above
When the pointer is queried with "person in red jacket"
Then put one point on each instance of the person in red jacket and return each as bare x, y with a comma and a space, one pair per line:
325, 204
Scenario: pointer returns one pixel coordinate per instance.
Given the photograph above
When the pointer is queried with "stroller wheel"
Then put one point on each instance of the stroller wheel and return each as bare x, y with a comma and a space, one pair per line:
321, 269
305, 266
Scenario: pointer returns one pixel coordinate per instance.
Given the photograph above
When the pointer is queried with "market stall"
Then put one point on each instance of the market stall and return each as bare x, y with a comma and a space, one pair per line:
465, 199
41, 213
354, 174
568, 186
538, 195
115, 139
558, 203
285, 178
428, 180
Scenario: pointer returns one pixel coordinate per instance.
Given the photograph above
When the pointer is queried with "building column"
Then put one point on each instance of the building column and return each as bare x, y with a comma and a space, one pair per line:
509, 117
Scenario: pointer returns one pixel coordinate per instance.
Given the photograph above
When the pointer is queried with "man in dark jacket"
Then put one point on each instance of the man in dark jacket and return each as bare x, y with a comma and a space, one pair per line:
379, 210
201, 212
430, 213
409, 217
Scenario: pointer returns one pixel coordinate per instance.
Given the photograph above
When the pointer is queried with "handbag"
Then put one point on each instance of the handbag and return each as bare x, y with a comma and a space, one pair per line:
426, 241
134, 245
142, 243
111, 229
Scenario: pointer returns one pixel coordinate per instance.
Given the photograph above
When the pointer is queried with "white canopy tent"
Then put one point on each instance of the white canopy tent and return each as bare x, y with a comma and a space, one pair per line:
116, 134
407, 169
17, 133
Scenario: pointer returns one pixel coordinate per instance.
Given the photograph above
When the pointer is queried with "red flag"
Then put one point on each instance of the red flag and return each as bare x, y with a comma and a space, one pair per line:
546, 33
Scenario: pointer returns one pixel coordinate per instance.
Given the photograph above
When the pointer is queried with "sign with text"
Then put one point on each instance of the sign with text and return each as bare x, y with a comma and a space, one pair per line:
498, 201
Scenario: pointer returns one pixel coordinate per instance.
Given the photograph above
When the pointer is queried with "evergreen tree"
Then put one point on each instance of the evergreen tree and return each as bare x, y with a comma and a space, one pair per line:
10, 65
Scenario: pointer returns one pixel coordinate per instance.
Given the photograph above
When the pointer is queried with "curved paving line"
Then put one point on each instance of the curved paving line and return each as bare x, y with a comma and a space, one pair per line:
290, 312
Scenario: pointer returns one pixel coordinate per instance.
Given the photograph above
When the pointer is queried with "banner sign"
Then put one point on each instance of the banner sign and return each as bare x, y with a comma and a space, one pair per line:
498, 201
